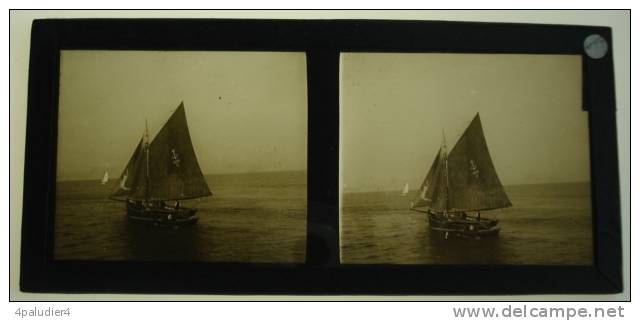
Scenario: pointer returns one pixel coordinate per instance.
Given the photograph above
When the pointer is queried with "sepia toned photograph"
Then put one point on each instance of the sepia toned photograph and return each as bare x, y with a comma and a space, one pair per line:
182, 156
464, 159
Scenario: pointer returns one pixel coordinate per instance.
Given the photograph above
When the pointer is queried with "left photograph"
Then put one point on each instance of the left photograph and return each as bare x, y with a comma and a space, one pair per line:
182, 156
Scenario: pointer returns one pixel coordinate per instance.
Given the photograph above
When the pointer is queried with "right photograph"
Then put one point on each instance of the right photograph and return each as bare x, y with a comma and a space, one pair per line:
464, 159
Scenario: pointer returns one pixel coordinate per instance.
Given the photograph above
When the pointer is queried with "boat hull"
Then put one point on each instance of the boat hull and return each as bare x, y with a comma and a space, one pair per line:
456, 226
167, 216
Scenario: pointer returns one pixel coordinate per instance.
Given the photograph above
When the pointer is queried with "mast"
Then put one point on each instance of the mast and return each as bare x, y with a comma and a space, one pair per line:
146, 148
446, 171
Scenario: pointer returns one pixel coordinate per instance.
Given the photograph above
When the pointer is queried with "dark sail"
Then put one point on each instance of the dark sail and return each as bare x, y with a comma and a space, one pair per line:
174, 173
473, 182
433, 190
464, 179
132, 179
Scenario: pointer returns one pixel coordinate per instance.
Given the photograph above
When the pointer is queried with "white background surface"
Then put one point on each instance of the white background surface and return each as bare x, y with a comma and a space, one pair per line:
19, 53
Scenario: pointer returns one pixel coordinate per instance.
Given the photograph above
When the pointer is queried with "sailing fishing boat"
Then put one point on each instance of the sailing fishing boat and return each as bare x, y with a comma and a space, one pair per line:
105, 178
163, 170
405, 189
460, 185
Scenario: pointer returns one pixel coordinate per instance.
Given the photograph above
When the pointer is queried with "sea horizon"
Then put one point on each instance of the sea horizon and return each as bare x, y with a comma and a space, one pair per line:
209, 174
505, 185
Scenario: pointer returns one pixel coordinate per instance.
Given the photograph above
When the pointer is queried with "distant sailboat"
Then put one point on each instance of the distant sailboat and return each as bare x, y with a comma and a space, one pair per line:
405, 189
461, 182
165, 169
105, 178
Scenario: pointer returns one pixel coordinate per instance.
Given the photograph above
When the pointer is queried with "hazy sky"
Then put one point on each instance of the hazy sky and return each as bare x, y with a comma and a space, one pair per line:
247, 111
395, 106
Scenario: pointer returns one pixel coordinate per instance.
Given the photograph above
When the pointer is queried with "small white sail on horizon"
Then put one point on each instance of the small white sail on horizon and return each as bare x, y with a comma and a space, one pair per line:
405, 189
105, 178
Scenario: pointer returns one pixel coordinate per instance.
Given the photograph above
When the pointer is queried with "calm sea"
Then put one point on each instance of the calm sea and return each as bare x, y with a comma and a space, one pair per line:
548, 224
256, 217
